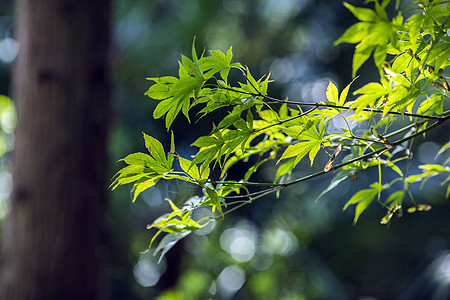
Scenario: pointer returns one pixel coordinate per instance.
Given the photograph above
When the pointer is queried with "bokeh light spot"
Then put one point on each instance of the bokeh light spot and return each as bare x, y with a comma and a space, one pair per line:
8, 50
147, 271
230, 280
240, 242
442, 273
280, 242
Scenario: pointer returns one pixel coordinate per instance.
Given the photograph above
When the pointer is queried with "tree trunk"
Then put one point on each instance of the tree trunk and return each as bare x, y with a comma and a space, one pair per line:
55, 238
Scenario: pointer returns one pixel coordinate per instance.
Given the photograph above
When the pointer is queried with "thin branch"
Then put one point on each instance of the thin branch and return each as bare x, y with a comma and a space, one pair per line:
287, 120
336, 167
379, 151
251, 194
321, 104
264, 193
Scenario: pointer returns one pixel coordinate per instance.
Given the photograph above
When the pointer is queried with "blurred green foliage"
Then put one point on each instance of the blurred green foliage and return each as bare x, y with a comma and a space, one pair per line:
315, 252
7, 125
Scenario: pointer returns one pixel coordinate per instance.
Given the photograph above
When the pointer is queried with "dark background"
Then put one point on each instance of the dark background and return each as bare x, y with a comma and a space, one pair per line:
287, 248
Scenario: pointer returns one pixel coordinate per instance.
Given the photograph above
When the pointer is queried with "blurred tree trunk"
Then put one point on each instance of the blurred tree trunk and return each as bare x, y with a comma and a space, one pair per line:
54, 239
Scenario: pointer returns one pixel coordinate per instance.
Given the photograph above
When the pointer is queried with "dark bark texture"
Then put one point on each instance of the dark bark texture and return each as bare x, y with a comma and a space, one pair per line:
54, 240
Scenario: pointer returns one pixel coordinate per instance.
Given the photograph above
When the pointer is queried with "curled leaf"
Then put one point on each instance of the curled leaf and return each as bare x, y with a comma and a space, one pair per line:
412, 54
328, 166
438, 85
333, 156
445, 83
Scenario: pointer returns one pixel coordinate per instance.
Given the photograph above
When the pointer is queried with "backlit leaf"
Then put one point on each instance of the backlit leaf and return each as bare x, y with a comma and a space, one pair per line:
215, 199
362, 53
340, 177
190, 169
363, 14
362, 199
155, 148
168, 241
299, 150
332, 93
139, 187
355, 34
